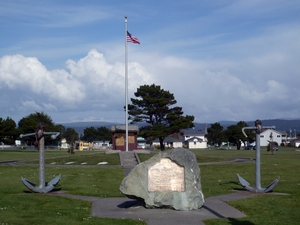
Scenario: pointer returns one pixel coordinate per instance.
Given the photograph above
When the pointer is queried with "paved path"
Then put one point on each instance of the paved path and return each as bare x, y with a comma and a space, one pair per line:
128, 161
125, 208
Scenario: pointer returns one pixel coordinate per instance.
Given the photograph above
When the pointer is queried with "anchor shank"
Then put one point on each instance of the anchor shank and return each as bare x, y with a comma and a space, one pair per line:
257, 162
42, 161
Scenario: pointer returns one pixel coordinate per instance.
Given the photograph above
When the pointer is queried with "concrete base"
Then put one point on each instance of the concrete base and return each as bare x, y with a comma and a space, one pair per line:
125, 208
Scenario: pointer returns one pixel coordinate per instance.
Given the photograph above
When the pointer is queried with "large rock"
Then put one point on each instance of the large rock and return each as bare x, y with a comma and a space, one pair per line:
170, 179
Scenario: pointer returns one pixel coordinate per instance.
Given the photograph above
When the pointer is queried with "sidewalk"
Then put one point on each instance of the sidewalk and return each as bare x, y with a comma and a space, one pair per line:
125, 208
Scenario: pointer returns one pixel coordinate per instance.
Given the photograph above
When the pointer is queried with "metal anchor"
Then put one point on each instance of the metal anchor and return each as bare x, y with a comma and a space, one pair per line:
258, 128
42, 188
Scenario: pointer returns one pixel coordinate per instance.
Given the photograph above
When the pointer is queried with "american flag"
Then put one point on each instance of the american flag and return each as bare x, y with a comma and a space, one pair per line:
131, 38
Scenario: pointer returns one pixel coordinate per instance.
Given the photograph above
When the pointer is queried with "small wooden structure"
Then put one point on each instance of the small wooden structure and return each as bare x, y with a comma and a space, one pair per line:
119, 137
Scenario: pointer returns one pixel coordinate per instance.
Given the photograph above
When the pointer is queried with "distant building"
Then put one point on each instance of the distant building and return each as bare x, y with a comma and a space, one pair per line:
271, 135
64, 144
169, 142
119, 138
141, 143
295, 142
18, 142
194, 139
101, 145
83, 145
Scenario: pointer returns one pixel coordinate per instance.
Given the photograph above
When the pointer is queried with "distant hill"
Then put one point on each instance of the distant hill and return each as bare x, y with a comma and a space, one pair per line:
280, 124
80, 126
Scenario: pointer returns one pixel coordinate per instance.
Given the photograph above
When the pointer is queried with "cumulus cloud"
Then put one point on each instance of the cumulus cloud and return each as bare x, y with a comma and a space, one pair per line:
28, 74
91, 83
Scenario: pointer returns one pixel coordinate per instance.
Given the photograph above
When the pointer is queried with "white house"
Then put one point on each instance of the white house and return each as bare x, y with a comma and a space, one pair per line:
194, 139
169, 142
270, 135
295, 142
195, 142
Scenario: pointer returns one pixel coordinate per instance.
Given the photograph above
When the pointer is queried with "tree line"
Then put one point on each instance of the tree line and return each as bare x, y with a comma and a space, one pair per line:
10, 131
233, 134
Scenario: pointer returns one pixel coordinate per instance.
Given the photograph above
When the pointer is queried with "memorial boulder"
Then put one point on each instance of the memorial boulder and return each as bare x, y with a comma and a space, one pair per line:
170, 179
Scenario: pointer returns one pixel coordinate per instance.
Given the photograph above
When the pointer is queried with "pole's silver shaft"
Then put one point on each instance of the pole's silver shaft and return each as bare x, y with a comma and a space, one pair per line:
126, 86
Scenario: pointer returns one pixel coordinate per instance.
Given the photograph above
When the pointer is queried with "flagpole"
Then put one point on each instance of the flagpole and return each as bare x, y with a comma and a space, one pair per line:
126, 85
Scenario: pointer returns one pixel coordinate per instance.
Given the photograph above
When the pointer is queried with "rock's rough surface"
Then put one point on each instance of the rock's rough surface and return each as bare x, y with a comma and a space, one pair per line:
174, 179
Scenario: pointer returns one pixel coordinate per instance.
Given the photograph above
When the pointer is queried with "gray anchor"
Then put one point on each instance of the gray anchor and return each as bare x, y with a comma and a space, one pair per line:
40, 144
258, 129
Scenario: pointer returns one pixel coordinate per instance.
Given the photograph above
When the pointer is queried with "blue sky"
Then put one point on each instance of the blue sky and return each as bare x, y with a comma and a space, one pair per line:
222, 60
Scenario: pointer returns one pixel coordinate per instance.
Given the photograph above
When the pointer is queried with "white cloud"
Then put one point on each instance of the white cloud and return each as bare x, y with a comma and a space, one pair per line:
91, 84
30, 105
28, 74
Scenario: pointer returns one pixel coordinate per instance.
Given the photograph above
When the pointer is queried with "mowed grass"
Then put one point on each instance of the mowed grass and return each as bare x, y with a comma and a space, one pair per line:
18, 206
60, 157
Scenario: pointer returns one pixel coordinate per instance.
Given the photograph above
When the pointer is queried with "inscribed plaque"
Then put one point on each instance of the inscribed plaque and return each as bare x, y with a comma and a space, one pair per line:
131, 139
166, 176
120, 140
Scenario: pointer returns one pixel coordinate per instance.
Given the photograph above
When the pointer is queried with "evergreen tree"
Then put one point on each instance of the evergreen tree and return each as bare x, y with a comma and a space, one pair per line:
153, 105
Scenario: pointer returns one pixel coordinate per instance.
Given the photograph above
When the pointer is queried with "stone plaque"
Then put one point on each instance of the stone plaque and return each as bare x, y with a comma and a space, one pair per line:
166, 175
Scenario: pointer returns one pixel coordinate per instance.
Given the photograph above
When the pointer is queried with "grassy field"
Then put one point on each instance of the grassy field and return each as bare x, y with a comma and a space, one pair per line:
18, 206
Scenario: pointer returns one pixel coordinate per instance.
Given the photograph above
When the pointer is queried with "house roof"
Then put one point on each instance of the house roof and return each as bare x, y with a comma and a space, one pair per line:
282, 132
123, 128
193, 133
272, 130
295, 140
169, 139
194, 139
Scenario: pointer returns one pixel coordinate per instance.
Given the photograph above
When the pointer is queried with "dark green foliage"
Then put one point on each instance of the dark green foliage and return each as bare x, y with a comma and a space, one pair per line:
153, 106
29, 124
97, 134
215, 134
8, 132
234, 134
71, 135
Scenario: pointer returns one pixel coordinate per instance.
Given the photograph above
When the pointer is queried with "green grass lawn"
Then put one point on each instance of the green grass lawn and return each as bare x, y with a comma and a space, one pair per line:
60, 157
18, 206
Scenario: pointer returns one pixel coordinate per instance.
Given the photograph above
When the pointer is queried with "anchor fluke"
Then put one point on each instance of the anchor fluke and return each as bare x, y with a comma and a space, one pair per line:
272, 185
246, 185
55, 181
242, 181
42, 189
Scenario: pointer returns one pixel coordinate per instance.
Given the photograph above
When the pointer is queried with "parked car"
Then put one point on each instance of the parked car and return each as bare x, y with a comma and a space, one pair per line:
275, 146
250, 147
